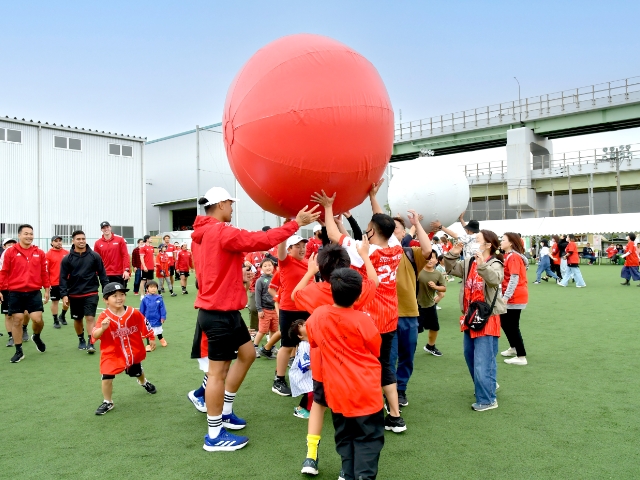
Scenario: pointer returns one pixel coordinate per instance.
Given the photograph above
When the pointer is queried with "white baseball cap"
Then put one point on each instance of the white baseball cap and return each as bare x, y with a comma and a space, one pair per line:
293, 239
317, 228
216, 195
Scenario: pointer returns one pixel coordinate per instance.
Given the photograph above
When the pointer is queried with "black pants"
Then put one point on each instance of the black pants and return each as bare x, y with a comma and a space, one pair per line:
359, 441
555, 268
510, 322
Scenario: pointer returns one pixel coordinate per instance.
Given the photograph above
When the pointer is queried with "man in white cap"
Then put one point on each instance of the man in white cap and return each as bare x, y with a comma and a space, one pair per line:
218, 250
314, 243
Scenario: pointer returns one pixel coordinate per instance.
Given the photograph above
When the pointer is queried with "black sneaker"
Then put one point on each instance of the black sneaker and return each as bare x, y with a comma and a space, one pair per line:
104, 408
265, 353
17, 357
402, 399
10, 342
174, 294
184, 292
395, 424
280, 387
40, 346
310, 466
149, 387
91, 349
545, 279
63, 321
56, 325
82, 344
432, 350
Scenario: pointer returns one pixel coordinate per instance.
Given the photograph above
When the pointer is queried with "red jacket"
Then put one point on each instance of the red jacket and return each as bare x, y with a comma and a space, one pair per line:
218, 255
24, 269
184, 261
135, 258
114, 253
631, 260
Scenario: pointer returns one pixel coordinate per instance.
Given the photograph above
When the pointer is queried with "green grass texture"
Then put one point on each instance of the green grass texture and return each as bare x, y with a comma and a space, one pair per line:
571, 413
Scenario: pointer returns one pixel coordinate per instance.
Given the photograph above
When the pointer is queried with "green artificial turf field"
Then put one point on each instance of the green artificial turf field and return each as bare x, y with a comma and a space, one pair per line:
571, 413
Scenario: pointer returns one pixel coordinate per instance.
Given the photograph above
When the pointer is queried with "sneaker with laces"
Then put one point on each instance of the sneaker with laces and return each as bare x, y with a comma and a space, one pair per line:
233, 422
56, 325
310, 467
281, 388
198, 402
17, 357
163, 342
10, 342
395, 424
267, 353
510, 352
184, 292
104, 408
224, 442
82, 344
536, 283
174, 294
402, 398
91, 349
516, 360
301, 412
40, 346
481, 407
148, 386
432, 350
545, 279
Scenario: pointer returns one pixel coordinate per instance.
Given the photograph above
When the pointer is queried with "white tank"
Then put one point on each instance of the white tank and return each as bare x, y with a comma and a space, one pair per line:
436, 190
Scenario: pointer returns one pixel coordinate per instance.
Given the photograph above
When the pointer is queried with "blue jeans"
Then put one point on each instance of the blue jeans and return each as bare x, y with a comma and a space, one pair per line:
576, 274
545, 266
480, 355
136, 281
403, 350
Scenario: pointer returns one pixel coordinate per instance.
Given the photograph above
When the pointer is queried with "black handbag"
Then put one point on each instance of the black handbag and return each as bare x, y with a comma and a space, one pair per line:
478, 313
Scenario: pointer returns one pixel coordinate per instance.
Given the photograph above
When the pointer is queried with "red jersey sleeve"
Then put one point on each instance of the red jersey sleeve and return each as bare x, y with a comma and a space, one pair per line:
236, 240
367, 295
44, 271
124, 252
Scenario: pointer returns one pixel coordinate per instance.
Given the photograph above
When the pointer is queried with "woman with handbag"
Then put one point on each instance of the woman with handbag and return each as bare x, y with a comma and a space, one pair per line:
515, 293
481, 304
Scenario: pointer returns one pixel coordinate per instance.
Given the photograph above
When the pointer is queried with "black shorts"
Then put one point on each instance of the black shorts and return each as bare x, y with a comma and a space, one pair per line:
119, 279
388, 377
5, 302
133, 371
172, 270
226, 332
287, 317
186, 274
19, 302
318, 394
428, 319
83, 306
54, 293
148, 275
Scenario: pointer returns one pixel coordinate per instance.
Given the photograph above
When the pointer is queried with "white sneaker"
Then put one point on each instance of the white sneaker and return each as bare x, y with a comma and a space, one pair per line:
438, 308
511, 352
516, 360
560, 285
581, 286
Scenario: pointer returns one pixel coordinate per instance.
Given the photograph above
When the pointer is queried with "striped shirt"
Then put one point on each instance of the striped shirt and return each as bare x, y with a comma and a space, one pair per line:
300, 371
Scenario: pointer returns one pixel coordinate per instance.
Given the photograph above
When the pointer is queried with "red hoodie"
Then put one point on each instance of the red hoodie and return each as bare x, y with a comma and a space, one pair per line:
24, 269
114, 253
218, 252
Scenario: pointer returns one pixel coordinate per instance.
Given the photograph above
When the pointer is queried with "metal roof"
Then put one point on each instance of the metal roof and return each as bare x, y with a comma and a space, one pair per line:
71, 129
171, 202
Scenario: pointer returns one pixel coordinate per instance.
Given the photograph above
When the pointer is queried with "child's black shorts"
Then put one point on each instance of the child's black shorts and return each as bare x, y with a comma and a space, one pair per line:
428, 319
318, 394
134, 370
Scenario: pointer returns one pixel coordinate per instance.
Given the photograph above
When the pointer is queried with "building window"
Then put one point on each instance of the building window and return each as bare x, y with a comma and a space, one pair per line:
120, 150
125, 232
65, 231
67, 143
154, 233
9, 230
9, 135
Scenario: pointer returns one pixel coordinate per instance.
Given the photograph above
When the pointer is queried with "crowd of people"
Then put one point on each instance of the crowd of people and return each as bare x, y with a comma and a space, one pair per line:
345, 309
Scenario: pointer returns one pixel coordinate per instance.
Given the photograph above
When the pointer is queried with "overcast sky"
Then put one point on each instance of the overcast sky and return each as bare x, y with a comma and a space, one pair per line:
158, 68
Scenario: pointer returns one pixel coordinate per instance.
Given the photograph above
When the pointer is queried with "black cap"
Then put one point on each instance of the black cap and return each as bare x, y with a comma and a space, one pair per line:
111, 288
473, 226
56, 237
104, 224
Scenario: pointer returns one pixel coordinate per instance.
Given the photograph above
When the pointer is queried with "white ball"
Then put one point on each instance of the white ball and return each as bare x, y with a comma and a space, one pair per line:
434, 189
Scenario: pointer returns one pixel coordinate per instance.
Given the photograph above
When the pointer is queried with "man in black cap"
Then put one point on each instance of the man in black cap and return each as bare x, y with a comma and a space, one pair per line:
54, 258
114, 253
80, 272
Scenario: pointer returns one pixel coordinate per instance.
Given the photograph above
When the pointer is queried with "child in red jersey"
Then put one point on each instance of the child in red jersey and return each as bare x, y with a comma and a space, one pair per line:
120, 330
349, 346
162, 269
630, 255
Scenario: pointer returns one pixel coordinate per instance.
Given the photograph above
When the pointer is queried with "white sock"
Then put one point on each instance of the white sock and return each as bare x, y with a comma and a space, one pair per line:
215, 425
227, 408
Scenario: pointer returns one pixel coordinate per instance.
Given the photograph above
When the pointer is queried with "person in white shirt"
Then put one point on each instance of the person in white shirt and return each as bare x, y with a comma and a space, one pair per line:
544, 263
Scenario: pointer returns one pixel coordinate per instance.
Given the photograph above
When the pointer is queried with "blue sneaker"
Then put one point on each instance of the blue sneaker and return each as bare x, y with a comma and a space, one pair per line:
198, 402
225, 442
232, 422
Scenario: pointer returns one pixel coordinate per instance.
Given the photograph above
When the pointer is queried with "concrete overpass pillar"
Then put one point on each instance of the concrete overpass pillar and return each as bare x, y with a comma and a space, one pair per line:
525, 151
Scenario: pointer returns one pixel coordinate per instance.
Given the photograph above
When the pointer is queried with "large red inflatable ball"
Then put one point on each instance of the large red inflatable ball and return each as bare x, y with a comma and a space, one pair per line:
305, 113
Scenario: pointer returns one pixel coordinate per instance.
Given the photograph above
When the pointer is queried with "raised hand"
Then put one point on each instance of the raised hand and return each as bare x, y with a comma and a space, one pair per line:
435, 226
323, 199
312, 266
363, 247
456, 249
414, 218
375, 187
307, 216
347, 214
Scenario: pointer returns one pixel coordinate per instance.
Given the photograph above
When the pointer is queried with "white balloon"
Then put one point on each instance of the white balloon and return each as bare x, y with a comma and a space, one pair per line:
433, 189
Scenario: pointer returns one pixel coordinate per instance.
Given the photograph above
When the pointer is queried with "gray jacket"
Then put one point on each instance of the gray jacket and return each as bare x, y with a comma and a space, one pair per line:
264, 300
492, 272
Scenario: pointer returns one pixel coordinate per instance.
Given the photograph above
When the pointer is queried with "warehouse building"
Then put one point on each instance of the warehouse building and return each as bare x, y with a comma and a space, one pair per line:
61, 178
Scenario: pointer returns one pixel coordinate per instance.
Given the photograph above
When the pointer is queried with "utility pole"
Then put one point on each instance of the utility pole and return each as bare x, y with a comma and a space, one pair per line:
197, 169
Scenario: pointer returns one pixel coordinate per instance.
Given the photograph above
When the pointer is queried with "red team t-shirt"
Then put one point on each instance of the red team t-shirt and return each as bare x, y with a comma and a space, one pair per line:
291, 272
146, 251
631, 260
384, 308
514, 265
54, 259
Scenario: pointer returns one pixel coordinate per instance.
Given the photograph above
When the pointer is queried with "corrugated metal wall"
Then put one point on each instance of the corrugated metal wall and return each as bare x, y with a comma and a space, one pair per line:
78, 187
